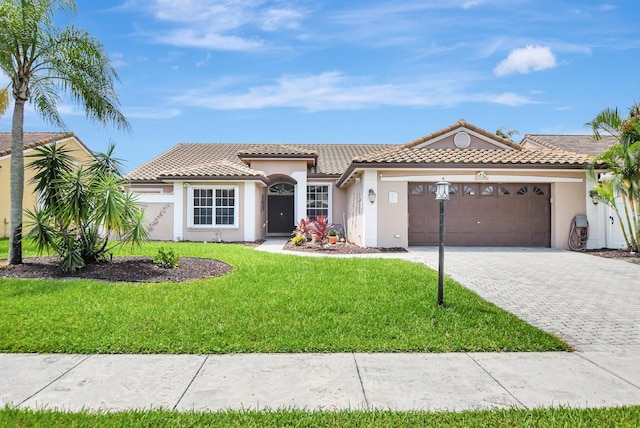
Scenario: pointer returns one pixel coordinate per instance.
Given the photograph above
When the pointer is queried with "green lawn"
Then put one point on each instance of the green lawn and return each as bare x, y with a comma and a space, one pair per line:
268, 303
539, 418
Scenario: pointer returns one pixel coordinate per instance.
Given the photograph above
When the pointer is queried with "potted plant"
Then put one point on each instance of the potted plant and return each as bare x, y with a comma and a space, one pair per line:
333, 236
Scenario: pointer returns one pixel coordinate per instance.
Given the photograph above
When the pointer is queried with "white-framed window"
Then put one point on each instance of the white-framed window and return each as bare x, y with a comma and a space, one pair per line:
212, 206
319, 200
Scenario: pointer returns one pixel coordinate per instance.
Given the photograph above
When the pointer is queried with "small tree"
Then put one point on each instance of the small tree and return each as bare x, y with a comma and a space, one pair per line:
79, 209
623, 162
506, 134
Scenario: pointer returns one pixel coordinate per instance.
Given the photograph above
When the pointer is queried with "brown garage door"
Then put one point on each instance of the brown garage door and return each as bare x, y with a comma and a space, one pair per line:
486, 214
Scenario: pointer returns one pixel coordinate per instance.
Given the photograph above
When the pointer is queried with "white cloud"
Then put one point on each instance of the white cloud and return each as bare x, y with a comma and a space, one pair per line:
525, 60
471, 4
151, 113
195, 39
221, 24
275, 19
511, 99
117, 60
337, 91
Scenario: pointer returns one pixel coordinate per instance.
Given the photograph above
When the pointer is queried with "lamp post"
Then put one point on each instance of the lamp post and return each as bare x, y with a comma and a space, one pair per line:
442, 194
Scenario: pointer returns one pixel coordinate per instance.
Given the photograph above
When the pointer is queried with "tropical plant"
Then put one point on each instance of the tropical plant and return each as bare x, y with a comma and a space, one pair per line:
41, 61
320, 228
303, 227
80, 208
622, 161
166, 258
506, 134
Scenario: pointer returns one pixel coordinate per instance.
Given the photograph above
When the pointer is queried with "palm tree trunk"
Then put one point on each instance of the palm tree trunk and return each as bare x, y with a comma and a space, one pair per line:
632, 243
16, 182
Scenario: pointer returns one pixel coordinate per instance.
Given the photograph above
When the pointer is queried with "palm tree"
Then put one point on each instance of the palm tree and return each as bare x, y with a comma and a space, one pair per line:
42, 61
81, 208
623, 161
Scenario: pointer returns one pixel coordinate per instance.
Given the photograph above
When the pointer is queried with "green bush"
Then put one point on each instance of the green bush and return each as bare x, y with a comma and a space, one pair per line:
166, 258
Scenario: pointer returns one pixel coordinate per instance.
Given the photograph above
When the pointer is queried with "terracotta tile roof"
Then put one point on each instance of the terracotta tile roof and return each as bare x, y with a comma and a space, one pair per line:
277, 150
217, 169
30, 140
586, 144
407, 155
333, 159
460, 124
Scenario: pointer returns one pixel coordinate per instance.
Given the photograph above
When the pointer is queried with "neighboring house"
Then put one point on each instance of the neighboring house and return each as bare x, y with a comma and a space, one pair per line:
502, 193
31, 140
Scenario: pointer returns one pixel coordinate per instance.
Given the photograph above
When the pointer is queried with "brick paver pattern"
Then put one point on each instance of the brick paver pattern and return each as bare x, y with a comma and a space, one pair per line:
593, 303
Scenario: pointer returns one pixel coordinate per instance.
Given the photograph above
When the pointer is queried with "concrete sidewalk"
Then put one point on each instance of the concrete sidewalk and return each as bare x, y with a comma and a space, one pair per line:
453, 381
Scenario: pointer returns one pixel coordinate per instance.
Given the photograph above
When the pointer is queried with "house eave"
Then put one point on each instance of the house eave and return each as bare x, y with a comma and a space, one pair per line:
354, 168
170, 179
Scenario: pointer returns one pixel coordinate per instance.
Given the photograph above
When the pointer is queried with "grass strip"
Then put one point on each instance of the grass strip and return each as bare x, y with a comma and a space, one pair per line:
620, 417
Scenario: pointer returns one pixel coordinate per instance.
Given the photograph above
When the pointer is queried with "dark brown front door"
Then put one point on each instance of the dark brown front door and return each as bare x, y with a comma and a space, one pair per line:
280, 214
482, 214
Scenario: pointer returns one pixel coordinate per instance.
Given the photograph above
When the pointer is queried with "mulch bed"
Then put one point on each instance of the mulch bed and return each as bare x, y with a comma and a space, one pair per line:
120, 269
616, 254
340, 248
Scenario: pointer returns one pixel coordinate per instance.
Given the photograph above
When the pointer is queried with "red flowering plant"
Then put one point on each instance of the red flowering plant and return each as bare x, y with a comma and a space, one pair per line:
301, 234
320, 227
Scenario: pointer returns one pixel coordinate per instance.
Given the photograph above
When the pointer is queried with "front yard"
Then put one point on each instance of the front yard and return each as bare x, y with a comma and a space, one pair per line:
268, 303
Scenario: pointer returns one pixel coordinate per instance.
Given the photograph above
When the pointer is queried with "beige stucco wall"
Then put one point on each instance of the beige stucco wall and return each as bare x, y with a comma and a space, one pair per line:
159, 219
568, 201
29, 202
475, 144
285, 167
339, 204
393, 218
261, 212
354, 209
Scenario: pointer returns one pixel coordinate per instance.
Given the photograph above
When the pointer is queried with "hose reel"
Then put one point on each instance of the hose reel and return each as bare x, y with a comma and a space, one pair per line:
579, 233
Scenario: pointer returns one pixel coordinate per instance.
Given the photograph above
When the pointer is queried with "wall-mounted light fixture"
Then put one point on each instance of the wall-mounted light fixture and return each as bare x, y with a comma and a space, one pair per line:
595, 197
372, 196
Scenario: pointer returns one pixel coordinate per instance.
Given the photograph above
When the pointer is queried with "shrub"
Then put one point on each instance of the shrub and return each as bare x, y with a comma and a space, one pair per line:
166, 258
79, 208
320, 227
298, 240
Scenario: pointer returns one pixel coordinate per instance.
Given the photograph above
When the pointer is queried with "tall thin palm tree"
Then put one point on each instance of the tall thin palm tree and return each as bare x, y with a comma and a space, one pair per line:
623, 161
42, 62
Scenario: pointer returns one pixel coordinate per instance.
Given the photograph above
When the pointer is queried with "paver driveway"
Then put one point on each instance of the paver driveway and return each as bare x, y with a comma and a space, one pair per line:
591, 302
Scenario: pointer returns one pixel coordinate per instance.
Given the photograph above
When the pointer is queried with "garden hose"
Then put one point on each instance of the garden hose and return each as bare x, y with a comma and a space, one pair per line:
578, 235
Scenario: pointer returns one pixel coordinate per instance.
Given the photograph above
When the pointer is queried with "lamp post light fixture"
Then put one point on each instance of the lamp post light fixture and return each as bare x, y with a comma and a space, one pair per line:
372, 196
442, 194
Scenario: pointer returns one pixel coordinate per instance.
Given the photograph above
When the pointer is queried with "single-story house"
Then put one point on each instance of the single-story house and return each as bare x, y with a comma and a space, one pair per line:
31, 140
502, 193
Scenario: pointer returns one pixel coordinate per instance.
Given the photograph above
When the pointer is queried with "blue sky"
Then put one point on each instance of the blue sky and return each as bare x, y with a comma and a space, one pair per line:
253, 71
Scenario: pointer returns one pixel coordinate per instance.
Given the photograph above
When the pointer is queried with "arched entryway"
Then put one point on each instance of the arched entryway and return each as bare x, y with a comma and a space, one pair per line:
281, 208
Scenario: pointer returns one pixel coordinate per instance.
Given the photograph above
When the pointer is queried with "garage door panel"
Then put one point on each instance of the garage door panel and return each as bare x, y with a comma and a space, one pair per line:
485, 214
